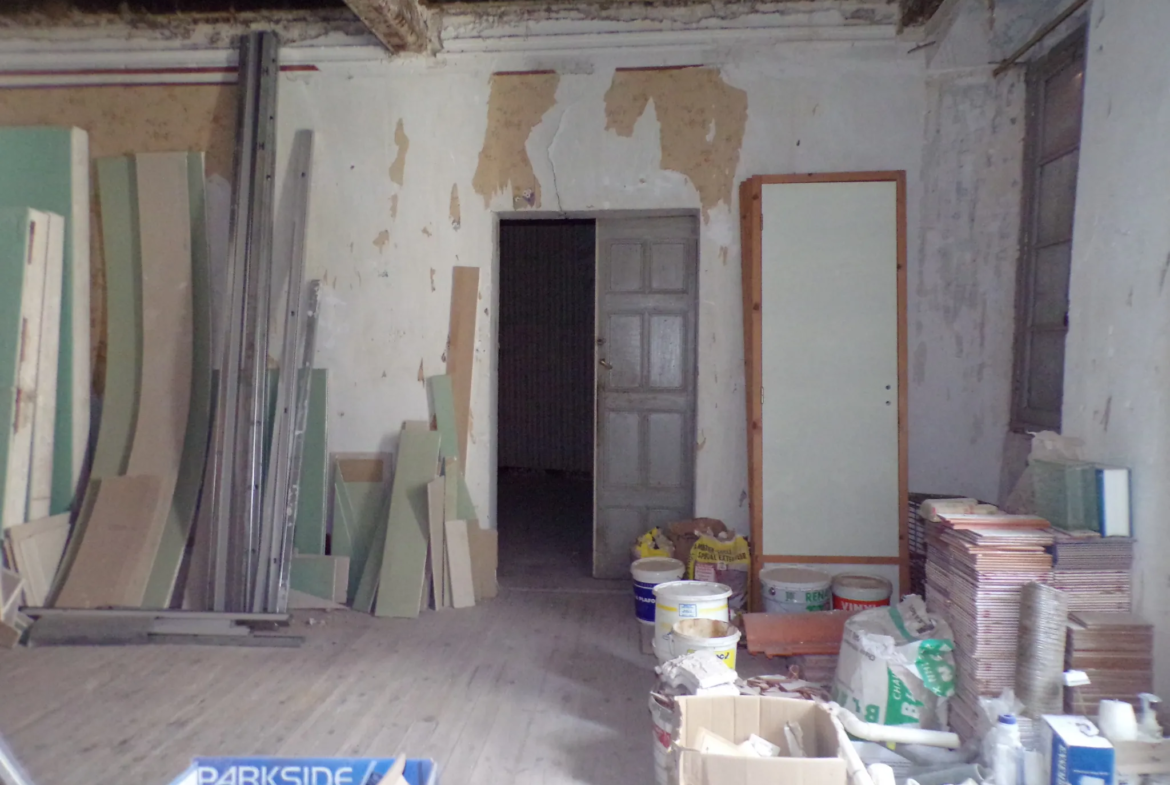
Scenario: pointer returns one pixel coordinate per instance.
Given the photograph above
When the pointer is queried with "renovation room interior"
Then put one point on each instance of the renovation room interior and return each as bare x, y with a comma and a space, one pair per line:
572, 174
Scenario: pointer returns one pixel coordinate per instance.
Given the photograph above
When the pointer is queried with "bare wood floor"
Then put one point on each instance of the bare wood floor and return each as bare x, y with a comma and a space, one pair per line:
532, 687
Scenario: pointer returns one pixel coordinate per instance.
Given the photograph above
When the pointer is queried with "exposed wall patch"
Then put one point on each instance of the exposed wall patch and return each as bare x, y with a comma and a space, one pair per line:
516, 104
456, 213
394, 206
701, 120
381, 240
398, 168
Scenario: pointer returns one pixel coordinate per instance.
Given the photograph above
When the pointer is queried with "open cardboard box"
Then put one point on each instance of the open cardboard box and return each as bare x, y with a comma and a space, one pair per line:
736, 718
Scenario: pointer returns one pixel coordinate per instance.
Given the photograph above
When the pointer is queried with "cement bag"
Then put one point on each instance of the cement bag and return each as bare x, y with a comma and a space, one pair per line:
896, 666
723, 559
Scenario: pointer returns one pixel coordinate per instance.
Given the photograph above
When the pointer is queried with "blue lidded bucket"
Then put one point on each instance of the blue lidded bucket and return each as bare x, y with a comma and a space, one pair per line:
648, 573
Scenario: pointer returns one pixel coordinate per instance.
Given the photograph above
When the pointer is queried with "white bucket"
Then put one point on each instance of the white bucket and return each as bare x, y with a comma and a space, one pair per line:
859, 592
678, 600
690, 635
648, 573
795, 589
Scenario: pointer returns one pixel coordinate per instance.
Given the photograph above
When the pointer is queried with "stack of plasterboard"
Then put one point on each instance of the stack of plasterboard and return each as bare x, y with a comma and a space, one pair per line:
423, 546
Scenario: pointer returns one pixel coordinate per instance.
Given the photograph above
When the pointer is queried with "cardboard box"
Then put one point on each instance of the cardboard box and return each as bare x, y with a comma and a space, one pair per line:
736, 718
1075, 751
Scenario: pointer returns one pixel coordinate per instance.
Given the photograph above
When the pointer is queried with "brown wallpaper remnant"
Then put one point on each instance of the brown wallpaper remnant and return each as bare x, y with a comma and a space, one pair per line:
129, 119
701, 120
516, 104
398, 168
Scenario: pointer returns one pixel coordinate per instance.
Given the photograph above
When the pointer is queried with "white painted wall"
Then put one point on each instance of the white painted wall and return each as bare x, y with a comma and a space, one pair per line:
1117, 357
812, 107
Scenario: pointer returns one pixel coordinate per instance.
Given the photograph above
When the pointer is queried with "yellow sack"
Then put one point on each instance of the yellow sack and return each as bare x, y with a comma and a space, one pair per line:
723, 561
652, 543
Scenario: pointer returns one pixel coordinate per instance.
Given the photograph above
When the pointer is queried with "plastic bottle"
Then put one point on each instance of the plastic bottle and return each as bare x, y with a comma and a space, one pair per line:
1009, 752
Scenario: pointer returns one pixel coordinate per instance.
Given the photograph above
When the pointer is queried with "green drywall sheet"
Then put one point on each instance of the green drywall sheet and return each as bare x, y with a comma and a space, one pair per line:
313, 575
118, 193
367, 508
14, 241
341, 541
309, 536
44, 168
195, 442
402, 582
442, 400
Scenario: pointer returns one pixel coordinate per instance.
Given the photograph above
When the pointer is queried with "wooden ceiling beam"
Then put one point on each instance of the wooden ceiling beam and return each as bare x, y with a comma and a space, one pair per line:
399, 24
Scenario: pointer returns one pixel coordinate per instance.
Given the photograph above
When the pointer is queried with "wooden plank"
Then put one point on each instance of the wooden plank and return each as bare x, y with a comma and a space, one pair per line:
438, 540
184, 504
461, 348
750, 226
309, 536
117, 190
459, 565
22, 243
442, 405
361, 469
105, 571
484, 545
40, 487
37, 550
321, 576
403, 567
450, 513
48, 169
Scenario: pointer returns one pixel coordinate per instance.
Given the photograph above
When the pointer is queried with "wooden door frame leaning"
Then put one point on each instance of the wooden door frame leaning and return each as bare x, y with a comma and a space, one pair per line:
751, 223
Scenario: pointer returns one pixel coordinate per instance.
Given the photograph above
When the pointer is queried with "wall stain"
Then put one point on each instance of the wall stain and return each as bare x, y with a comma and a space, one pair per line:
701, 120
426, 231
422, 379
516, 104
1105, 415
454, 211
393, 207
381, 240
398, 168
1162, 278
432, 279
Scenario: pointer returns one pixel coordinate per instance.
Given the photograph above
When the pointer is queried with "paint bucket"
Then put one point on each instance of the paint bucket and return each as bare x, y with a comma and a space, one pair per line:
795, 589
648, 573
690, 635
662, 717
685, 600
858, 592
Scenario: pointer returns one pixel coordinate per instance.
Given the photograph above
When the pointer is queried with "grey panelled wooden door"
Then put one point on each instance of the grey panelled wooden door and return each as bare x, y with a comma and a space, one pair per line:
646, 294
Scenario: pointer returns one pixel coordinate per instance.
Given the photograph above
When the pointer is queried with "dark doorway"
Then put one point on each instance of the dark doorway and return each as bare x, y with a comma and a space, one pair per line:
546, 399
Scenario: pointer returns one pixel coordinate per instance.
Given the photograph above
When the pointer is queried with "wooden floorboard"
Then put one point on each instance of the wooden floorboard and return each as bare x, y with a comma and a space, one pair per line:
530, 687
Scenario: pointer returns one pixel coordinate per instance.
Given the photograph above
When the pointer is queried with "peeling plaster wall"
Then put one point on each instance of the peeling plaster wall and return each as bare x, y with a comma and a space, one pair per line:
963, 321
1117, 356
378, 244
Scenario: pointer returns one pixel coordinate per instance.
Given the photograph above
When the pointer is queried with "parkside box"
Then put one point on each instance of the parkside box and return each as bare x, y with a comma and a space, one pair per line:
737, 717
1075, 751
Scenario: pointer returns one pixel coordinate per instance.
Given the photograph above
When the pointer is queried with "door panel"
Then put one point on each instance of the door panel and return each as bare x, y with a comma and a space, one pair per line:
645, 382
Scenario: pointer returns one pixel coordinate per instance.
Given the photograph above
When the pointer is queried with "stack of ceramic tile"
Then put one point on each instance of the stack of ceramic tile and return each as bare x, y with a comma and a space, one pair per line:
988, 560
938, 572
1093, 571
1116, 652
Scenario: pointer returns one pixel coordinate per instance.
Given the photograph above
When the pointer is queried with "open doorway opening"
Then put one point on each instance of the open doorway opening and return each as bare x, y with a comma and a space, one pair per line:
546, 400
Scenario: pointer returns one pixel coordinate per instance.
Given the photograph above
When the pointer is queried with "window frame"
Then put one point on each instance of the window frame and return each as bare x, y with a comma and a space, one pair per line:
1073, 48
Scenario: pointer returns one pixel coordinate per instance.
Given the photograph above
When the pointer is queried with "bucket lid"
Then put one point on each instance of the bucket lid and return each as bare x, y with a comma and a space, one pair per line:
862, 582
657, 564
795, 576
696, 590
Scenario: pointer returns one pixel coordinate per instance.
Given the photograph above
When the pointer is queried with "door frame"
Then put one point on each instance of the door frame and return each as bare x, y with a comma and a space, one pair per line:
494, 330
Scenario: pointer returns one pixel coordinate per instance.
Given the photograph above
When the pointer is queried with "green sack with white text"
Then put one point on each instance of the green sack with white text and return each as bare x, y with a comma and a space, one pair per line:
896, 666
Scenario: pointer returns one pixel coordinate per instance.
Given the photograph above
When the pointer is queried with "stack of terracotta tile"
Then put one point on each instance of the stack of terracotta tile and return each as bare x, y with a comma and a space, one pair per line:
1116, 652
1093, 571
982, 562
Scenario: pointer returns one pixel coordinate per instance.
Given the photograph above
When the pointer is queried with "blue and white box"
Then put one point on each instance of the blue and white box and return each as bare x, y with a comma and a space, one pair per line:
303, 771
1075, 751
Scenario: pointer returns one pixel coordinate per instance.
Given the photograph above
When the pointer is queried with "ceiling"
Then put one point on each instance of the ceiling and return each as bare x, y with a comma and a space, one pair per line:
913, 12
